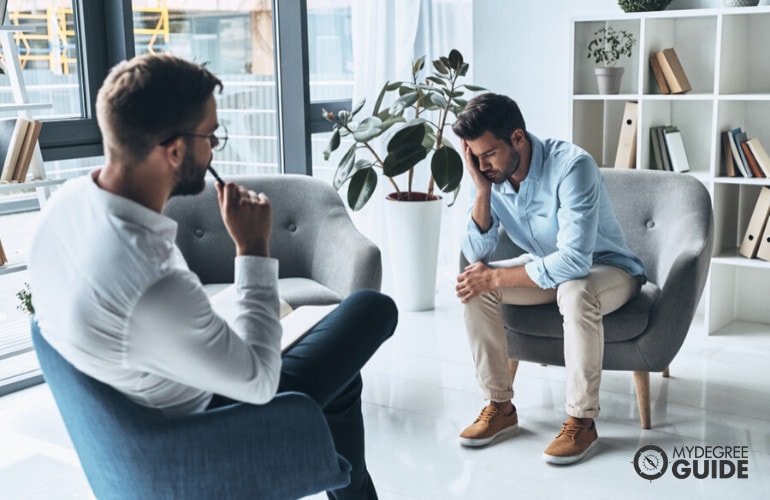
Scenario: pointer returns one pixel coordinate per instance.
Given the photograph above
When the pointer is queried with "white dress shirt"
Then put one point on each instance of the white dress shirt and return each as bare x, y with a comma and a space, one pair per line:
113, 294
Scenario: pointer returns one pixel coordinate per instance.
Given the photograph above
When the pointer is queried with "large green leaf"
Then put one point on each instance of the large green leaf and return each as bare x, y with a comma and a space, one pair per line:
358, 107
362, 186
411, 134
438, 64
368, 129
472, 88
455, 59
392, 120
403, 158
438, 100
403, 102
447, 168
334, 143
345, 167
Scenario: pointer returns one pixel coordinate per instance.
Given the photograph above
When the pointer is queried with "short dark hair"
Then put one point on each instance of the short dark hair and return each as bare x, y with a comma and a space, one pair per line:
149, 98
491, 112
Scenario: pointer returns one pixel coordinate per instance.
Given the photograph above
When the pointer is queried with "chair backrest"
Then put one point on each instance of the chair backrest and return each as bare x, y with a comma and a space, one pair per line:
301, 207
238, 451
662, 214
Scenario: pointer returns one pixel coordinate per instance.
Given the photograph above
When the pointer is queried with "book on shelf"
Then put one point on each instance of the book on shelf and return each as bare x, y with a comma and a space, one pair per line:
757, 223
663, 148
760, 155
3, 257
625, 156
657, 157
740, 166
676, 151
739, 138
27, 151
727, 155
12, 132
751, 161
674, 73
763, 248
657, 72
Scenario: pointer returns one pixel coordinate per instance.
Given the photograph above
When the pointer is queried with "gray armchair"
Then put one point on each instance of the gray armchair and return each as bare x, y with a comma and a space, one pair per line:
322, 256
668, 222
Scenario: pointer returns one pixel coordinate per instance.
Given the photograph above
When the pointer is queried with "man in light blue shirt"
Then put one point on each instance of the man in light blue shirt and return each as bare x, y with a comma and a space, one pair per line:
550, 199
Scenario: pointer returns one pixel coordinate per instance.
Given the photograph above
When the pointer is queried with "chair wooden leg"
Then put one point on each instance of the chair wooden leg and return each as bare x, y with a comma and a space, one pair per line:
513, 365
642, 383
666, 372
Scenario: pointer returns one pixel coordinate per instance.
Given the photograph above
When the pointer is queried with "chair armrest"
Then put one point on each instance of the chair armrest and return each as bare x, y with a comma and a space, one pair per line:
344, 260
282, 449
680, 293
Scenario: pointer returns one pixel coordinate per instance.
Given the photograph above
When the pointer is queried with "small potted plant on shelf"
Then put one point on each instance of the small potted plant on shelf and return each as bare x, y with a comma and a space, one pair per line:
398, 140
643, 5
606, 47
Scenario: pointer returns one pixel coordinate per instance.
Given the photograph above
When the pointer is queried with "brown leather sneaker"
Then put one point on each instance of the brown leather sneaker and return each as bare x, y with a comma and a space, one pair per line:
572, 444
491, 424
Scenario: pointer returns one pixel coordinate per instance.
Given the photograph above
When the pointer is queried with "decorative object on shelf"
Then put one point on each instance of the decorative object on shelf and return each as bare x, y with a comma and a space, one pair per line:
740, 3
413, 226
643, 5
606, 47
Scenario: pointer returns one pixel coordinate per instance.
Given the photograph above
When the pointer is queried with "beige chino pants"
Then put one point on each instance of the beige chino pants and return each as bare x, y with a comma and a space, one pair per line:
582, 302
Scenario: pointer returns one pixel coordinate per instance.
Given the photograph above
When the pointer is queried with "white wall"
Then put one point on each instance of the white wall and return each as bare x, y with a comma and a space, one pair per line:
522, 49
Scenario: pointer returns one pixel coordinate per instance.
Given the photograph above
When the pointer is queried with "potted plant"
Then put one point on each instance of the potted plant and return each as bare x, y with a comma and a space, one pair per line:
25, 300
643, 5
411, 128
606, 48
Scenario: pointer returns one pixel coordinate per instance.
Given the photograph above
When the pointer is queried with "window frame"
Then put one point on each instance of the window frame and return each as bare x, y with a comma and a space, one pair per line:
106, 37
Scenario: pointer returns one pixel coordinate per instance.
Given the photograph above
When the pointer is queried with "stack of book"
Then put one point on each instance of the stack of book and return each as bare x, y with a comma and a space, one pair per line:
3, 258
18, 140
668, 72
744, 156
668, 152
756, 241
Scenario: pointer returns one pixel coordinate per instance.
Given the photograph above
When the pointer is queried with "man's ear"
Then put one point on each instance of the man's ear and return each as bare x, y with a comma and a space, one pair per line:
174, 151
517, 136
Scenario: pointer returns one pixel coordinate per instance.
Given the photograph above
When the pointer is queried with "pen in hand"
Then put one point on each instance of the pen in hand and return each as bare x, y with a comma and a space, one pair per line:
216, 176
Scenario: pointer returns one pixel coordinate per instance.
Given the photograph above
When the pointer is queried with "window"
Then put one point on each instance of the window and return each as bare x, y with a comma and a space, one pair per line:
235, 41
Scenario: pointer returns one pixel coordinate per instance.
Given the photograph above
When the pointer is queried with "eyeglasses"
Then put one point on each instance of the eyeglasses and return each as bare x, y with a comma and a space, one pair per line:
217, 141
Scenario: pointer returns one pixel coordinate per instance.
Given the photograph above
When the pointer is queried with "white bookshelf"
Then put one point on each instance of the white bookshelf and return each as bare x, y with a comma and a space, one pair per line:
23, 108
725, 56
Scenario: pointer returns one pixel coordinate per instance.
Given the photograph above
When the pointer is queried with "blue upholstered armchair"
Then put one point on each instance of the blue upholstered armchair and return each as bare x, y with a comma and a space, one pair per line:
279, 450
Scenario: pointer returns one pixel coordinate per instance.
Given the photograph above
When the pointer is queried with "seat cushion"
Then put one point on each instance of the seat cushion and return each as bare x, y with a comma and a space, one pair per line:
306, 292
294, 292
626, 323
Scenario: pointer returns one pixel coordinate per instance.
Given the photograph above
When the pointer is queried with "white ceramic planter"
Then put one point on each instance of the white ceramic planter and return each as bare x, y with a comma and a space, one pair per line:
608, 80
413, 229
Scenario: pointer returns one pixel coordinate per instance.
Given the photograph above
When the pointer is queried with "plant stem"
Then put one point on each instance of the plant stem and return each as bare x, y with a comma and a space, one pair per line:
376, 157
442, 123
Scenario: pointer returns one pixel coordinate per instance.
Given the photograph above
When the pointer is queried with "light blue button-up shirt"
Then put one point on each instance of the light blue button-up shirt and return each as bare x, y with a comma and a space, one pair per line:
562, 215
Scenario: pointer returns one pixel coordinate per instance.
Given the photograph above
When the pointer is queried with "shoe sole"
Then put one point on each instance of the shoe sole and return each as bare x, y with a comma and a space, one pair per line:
552, 459
474, 443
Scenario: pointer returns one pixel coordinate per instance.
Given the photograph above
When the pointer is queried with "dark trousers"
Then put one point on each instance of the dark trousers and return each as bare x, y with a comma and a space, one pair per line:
326, 365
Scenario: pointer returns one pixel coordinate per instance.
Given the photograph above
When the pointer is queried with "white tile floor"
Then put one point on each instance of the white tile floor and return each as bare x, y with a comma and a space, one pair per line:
420, 392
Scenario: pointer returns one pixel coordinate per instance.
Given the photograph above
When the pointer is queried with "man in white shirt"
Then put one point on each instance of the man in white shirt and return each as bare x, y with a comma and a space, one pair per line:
114, 296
